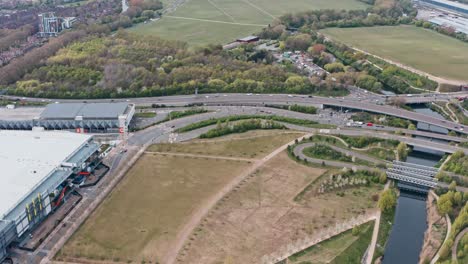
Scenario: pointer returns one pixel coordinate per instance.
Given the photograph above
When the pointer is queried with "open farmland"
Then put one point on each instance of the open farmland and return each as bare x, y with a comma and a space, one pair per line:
264, 214
220, 21
140, 220
419, 48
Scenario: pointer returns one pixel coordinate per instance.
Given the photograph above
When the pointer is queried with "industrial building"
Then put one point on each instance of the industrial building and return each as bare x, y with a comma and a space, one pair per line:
78, 117
35, 167
450, 6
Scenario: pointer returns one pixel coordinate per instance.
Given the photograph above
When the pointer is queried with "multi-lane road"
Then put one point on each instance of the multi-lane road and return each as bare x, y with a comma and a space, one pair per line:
281, 99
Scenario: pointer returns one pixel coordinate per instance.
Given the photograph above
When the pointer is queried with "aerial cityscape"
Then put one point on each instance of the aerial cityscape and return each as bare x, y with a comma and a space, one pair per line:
234, 131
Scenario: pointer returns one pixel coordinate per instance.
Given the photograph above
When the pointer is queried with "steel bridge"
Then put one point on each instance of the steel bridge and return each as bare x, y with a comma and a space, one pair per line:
413, 174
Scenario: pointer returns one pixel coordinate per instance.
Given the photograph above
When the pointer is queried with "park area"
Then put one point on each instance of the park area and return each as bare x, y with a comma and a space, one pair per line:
419, 48
275, 203
201, 22
140, 220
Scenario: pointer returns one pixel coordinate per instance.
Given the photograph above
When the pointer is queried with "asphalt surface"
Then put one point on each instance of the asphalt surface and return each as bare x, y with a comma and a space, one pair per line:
285, 99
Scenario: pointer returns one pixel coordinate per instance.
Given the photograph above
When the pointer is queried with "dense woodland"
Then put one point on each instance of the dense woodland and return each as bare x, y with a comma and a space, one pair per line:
127, 65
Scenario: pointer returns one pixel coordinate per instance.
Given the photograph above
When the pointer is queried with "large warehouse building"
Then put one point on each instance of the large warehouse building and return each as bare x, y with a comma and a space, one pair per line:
79, 117
35, 164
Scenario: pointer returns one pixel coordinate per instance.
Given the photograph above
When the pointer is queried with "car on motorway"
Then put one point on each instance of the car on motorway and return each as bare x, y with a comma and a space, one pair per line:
369, 124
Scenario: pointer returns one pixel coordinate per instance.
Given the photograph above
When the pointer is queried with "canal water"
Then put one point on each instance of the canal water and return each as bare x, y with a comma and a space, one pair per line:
407, 236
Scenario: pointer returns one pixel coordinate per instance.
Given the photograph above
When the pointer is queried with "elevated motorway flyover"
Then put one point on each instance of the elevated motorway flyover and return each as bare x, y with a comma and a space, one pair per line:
284, 99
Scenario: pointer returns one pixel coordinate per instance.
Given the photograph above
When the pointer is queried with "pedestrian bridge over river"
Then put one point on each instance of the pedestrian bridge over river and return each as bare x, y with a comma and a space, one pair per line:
413, 174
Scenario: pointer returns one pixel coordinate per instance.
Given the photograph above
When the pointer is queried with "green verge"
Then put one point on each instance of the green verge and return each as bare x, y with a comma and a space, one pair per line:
213, 121
351, 253
385, 227
145, 114
241, 127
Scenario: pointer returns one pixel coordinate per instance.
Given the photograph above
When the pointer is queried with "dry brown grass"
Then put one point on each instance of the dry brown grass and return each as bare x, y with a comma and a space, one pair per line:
140, 219
252, 144
261, 216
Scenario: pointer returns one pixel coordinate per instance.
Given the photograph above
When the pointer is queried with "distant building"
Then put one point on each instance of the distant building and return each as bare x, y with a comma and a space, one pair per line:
68, 22
248, 39
51, 25
78, 117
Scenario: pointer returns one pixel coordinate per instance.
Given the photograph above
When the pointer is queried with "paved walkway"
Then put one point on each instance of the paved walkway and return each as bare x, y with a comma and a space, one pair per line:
375, 233
449, 228
455, 244
299, 152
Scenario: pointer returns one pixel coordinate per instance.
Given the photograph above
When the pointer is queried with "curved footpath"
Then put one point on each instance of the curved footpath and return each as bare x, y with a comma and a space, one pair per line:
299, 152
457, 241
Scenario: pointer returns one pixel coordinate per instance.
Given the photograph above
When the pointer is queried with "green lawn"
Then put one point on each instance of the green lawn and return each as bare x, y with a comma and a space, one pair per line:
343, 248
422, 49
200, 22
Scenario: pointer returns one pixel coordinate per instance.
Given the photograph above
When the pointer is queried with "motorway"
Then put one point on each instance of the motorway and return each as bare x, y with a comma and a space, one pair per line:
285, 99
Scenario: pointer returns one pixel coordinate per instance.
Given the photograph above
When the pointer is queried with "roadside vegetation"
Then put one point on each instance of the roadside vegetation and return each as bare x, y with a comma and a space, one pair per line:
179, 114
458, 163
227, 128
382, 120
145, 114
297, 108
214, 121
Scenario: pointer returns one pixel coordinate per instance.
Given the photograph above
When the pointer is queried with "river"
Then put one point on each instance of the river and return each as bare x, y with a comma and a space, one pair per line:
407, 236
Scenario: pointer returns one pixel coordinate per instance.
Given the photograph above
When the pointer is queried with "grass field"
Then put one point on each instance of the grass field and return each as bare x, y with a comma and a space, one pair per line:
253, 144
200, 22
139, 220
263, 215
419, 48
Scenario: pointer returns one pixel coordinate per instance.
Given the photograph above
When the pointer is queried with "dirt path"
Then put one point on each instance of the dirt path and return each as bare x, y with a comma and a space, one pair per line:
443, 110
455, 244
452, 113
196, 218
200, 156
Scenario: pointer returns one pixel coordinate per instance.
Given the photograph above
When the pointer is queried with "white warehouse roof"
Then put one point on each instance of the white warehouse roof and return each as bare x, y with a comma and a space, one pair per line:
28, 158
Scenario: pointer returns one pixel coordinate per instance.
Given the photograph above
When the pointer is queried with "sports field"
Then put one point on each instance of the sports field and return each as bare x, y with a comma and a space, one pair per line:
221, 21
419, 48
